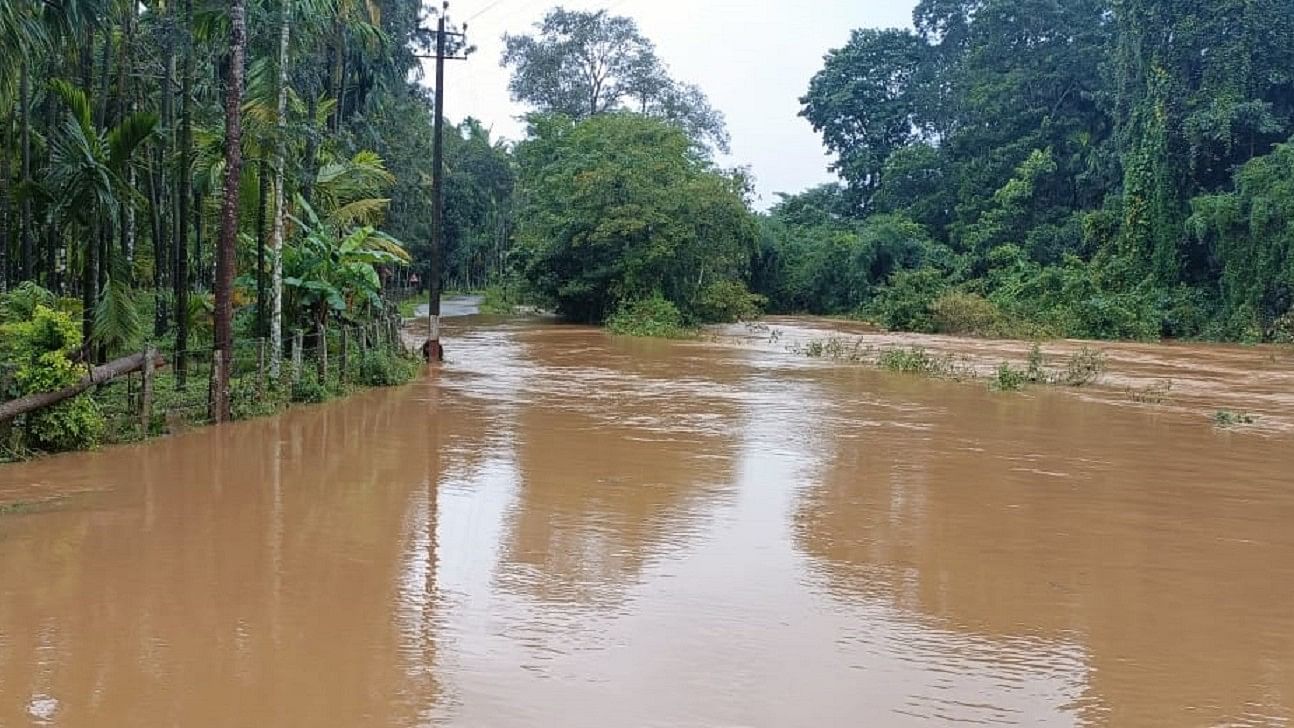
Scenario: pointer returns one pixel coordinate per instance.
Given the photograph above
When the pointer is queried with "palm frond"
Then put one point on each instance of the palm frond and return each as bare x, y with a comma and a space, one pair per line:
126, 137
116, 317
367, 211
77, 102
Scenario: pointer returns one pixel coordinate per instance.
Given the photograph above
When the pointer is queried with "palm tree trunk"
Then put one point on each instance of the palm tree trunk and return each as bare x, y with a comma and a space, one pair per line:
24, 83
183, 194
225, 261
199, 270
262, 202
155, 210
4, 202
276, 241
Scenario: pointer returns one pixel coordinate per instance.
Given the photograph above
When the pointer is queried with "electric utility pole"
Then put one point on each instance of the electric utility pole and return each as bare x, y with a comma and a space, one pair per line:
449, 46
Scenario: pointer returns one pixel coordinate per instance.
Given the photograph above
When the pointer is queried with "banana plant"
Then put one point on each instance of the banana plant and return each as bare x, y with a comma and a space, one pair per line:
333, 269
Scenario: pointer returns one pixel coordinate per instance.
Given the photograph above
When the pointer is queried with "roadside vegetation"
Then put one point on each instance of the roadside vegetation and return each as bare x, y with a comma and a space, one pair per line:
1080, 169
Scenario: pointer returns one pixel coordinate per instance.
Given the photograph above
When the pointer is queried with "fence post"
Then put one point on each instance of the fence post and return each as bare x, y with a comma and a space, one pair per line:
345, 355
217, 364
322, 334
146, 394
260, 367
298, 343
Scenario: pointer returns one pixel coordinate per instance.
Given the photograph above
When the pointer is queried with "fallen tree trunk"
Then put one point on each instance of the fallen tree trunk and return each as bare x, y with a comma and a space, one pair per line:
98, 375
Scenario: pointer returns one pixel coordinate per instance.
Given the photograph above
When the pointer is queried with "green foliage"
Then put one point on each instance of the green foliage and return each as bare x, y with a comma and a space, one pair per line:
499, 300
620, 207
379, 368
307, 389
653, 316
1083, 182
117, 322
904, 303
583, 63
1228, 418
728, 301
958, 312
916, 360
40, 348
247, 401
1007, 378
334, 269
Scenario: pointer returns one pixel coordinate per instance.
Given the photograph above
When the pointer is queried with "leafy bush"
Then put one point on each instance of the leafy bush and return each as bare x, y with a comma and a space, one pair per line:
1008, 379
308, 389
904, 303
1085, 367
247, 402
41, 348
916, 361
956, 312
381, 369
726, 301
653, 316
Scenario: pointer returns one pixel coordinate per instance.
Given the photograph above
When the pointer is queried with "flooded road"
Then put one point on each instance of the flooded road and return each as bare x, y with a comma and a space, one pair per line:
559, 528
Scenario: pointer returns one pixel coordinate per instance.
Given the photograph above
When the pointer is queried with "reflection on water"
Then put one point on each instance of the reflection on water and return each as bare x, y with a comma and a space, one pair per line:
559, 528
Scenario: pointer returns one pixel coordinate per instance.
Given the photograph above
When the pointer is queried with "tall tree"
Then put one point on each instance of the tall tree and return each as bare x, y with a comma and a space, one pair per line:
225, 253
280, 177
582, 63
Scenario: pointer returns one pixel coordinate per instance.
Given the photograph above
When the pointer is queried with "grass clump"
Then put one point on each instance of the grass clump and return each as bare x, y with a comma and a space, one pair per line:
655, 317
1229, 418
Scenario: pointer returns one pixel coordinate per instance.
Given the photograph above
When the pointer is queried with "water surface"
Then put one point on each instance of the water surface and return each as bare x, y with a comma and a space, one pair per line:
559, 528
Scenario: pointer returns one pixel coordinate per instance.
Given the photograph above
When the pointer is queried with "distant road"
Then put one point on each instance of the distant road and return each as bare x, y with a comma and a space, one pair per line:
451, 306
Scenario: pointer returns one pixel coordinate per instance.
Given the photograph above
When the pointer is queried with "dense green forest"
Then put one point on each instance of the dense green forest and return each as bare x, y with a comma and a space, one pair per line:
199, 173
1086, 168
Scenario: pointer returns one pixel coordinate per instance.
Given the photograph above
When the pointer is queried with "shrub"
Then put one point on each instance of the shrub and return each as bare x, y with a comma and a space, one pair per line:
916, 361
1036, 372
904, 304
653, 316
308, 389
834, 348
498, 301
1085, 367
40, 348
381, 369
246, 401
1008, 379
956, 312
1227, 418
726, 301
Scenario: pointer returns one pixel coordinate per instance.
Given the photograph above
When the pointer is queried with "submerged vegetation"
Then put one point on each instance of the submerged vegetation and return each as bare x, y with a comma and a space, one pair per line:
1082, 367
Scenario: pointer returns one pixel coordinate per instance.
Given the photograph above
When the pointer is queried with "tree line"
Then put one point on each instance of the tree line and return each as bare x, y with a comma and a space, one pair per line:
1094, 168
195, 172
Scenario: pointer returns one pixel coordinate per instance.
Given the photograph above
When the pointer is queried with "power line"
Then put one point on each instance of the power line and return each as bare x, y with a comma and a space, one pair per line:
486, 9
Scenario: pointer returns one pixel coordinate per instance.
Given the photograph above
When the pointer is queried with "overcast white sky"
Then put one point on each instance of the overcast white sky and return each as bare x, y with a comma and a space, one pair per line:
753, 58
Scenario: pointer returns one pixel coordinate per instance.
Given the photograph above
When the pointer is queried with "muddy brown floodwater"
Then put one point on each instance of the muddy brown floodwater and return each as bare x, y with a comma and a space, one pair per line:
563, 529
